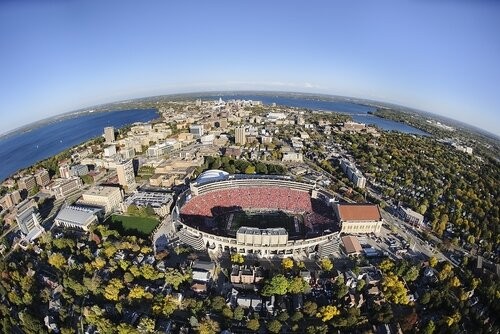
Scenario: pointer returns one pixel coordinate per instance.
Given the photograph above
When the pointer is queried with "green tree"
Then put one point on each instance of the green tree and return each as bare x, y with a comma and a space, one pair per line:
208, 326
238, 313
175, 278
310, 308
278, 285
429, 327
218, 303
274, 326
166, 305
250, 170
253, 325
297, 285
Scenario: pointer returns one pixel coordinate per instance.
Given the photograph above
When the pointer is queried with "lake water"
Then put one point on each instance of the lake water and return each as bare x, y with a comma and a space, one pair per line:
25, 149
358, 112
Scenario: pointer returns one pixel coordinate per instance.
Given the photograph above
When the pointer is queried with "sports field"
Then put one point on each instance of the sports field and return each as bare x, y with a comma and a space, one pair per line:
130, 225
231, 222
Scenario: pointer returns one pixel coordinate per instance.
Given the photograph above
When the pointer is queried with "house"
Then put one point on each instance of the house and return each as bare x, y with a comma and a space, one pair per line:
352, 246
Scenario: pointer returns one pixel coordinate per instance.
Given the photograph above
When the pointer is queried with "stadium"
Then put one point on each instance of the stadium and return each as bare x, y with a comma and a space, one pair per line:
265, 215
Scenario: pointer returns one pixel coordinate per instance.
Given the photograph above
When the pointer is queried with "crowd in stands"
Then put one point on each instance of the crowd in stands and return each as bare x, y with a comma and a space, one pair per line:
215, 203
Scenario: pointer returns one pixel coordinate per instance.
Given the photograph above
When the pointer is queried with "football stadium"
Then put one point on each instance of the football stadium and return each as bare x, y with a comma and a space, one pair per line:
265, 215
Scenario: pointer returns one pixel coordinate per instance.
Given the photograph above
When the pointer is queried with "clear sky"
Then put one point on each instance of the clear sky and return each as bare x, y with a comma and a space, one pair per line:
439, 56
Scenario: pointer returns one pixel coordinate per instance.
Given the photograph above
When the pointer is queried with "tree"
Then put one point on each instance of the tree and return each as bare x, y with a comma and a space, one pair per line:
297, 316
227, 312
433, 261
278, 285
445, 272
297, 285
175, 278
411, 274
208, 326
326, 264
361, 284
310, 308
112, 290
138, 292
237, 258
250, 170
238, 313
274, 326
287, 263
57, 260
386, 266
146, 325
253, 325
327, 312
394, 290
218, 303
429, 327
166, 306
283, 316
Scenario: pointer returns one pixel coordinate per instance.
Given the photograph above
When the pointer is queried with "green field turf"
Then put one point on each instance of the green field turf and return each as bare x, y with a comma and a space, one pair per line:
259, 220
129, 225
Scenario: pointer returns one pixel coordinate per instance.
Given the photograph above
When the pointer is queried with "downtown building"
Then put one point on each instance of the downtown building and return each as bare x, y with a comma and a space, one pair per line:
126, 175
108, 198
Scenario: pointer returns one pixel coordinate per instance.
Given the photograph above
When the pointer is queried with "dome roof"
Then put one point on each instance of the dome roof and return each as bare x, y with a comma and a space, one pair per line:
212, 175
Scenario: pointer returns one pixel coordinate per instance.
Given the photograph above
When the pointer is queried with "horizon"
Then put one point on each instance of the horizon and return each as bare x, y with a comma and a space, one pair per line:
442, 58
196, 94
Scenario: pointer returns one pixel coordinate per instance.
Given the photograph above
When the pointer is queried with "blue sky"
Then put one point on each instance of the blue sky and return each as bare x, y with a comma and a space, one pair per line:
439, 56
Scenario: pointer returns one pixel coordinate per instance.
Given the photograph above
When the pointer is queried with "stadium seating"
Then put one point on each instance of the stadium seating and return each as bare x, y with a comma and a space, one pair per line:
274, 198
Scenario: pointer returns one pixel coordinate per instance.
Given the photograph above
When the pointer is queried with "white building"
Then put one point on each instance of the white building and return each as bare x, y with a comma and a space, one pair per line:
126, 175
110, 151
29, 221
292, 157
108, 198
196, 130
76, 217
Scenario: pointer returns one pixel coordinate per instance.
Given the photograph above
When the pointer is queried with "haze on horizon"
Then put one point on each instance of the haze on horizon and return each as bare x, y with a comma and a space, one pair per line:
442, 57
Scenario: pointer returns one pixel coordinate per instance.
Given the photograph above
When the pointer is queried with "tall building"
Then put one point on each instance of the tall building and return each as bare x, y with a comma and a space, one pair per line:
109, 134
10, 199
42, 177
64, 171
29, 220
239, 136
27, 182
126, 176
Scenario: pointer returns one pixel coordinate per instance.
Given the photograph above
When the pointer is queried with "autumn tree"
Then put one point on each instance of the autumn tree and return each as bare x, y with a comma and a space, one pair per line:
287, 263
326, 264
327, 312
237, 258
394, 290
208, 326
57, 260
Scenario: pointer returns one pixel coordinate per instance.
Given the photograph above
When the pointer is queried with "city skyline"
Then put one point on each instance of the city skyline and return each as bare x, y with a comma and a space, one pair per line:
441, 58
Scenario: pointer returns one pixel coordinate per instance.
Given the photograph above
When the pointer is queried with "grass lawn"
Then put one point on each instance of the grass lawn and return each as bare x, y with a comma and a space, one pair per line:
130, 225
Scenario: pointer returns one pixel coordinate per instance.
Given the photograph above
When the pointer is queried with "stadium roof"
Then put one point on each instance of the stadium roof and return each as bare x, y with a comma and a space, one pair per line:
359, 212
212, 175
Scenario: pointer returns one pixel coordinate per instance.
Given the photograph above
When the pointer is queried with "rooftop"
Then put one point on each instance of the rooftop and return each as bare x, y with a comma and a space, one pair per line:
351, 244
359, 212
